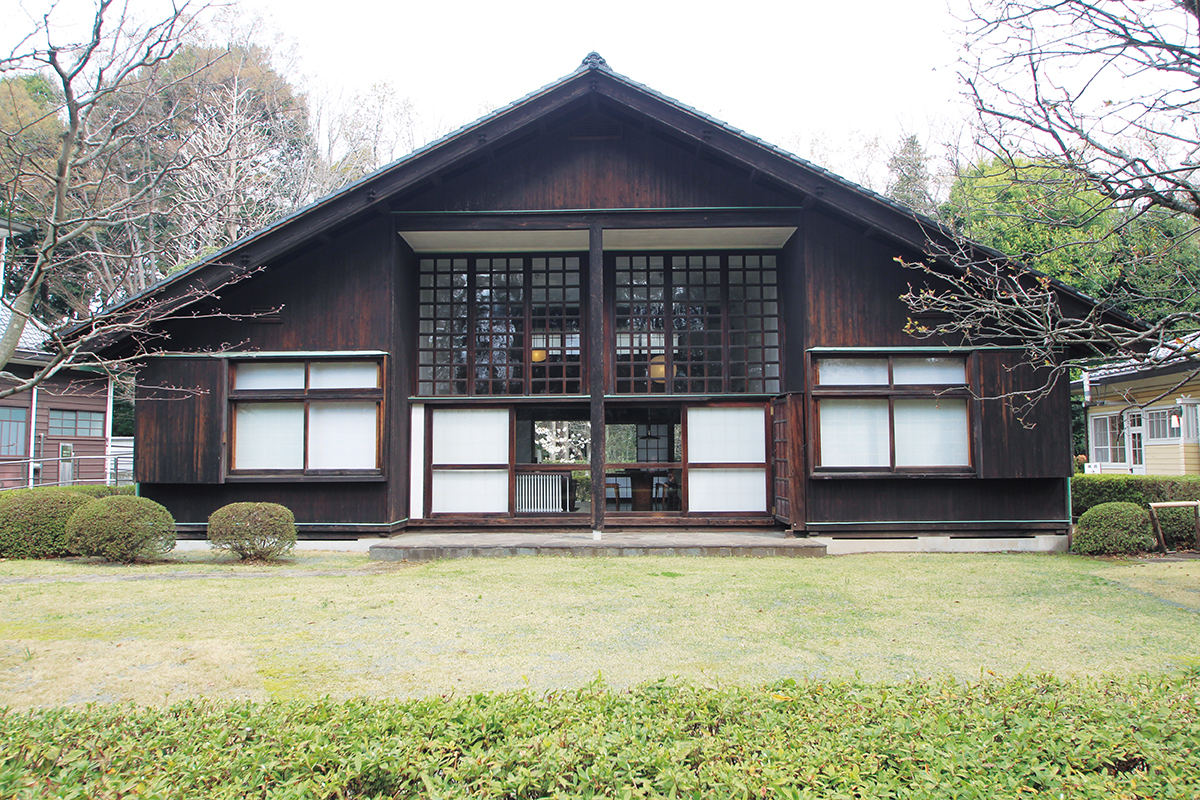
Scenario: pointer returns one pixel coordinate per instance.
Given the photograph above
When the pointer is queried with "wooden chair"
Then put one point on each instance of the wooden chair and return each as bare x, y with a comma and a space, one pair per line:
613, 490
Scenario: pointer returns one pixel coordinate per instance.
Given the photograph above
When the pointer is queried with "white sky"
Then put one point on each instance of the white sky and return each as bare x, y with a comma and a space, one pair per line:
815, 77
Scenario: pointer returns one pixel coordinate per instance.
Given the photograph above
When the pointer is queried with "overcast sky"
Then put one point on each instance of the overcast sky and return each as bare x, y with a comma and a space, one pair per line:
788, 71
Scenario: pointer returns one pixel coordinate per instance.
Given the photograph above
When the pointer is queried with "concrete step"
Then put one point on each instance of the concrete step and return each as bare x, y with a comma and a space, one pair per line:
435, 546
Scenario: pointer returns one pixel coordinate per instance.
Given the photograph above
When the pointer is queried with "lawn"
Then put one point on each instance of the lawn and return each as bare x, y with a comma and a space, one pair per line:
338, 625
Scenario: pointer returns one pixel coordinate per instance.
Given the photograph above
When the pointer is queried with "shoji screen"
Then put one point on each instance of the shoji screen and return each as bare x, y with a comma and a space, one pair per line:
720, 442
466, 442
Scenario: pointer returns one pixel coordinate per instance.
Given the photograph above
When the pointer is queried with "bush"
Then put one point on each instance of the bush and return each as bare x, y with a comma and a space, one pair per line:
1088, 491
101, 490
33, 523
1113, 529
121, 528
253, 530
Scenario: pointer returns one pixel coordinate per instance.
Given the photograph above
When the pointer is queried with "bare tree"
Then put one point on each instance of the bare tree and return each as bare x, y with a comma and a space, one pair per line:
1086, 99
95, 197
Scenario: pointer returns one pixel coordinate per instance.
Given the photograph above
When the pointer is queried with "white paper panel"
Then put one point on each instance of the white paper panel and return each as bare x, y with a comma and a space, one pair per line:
932, 433
470, 491
343, 375
929, 371
852, 372
470, 436
276, 375
342, 436
727, 490
269, 436
854, 433
733, 435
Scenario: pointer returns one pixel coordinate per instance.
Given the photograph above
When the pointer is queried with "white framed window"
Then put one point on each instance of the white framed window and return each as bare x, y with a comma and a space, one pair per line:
1108, 439
893, 414
75, 423
317, 417
1164, 425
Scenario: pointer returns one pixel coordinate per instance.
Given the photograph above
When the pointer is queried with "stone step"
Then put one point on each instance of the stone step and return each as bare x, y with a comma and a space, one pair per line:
436, 546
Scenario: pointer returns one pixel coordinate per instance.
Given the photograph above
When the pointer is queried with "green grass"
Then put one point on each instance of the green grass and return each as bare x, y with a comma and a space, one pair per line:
221, 630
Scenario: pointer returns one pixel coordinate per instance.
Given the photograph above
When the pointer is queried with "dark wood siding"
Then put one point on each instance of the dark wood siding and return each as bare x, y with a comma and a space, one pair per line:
1038, 446
853, 287
179, 421
638, 170
348, 503
1001, 505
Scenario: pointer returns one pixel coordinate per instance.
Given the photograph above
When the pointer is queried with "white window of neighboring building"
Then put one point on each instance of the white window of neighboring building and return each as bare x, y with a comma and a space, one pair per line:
76, 423
1108, 439
1164, 425
13, 431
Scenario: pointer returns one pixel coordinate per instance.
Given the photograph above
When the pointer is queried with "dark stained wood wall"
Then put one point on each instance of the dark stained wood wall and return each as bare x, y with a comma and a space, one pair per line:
310, 503
337, 295
1037, 446
638, 170
179, 421
934, 500
854, 287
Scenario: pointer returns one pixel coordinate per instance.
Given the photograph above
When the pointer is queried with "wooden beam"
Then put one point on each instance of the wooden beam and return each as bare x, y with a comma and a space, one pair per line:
781, 217
595, 356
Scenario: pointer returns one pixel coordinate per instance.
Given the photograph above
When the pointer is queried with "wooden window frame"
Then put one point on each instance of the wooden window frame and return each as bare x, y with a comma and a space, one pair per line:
308, 397
891, 392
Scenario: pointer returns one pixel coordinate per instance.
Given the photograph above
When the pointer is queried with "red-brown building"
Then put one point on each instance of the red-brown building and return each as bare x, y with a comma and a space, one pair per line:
595, 307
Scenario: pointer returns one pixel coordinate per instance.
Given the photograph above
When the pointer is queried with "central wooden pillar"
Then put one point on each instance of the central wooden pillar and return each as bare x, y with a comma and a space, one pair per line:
595, 351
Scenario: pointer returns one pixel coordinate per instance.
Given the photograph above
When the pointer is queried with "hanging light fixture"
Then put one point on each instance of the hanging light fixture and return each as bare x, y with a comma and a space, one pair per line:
658, 368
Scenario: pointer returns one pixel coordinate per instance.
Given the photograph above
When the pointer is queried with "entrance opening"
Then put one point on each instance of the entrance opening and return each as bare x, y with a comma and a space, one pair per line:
643, 470
553, 447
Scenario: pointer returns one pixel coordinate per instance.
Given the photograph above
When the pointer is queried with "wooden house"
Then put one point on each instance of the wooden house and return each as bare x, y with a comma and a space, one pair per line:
59, 432
593, 308
1142, 419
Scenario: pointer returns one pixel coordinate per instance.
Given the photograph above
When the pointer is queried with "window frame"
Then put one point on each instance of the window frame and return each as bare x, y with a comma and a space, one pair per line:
891, 392
21, 440
1117, 441
1155, 416
307, 397
74, 433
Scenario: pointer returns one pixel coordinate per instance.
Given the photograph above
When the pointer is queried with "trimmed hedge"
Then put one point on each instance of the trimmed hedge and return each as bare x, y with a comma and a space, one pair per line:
253, 530
101, 490
1178, 524
1113, 529
121, 528
1041, 737
33, 522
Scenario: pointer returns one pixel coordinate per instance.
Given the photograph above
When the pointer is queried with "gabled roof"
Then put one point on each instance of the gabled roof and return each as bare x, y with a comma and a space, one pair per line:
592, 82
31, 339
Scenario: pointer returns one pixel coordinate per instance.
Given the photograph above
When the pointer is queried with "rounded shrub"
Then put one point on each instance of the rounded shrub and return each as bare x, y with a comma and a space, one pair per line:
121, 528
253, 530
1113, 529
33, 522
102, 490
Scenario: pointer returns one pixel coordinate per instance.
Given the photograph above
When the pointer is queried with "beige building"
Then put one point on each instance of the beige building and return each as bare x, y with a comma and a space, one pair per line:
1142, 421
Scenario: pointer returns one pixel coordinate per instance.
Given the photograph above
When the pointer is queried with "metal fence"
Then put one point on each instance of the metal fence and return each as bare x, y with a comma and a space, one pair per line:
114, 469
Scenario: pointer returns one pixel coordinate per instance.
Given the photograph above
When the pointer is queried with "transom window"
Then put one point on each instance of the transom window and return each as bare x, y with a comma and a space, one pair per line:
319, 417
508, 325
76, 423
696, 324
901, 414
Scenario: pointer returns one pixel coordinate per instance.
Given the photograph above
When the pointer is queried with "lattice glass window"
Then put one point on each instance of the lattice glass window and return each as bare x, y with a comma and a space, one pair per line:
640, 322
701, 323
443, 354
499, 338
753, 324
556, 326
509, 325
